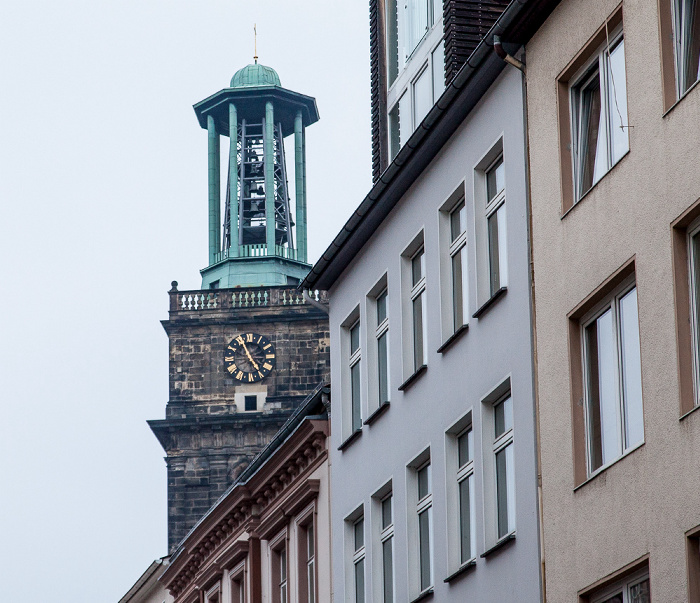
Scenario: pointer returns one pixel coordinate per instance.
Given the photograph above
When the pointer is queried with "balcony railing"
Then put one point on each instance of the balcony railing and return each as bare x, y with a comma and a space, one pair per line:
258, 251
248, 297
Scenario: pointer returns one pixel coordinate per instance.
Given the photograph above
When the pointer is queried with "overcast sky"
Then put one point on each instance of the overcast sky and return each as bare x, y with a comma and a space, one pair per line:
103, 193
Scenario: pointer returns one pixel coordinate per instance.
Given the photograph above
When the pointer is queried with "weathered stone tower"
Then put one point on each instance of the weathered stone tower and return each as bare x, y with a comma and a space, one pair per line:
247, 347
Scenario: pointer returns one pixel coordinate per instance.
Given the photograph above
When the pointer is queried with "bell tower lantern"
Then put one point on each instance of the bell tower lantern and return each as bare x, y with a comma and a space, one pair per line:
260, 241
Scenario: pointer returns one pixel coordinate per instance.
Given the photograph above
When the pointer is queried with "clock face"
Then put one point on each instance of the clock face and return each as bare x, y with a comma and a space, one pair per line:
249, 357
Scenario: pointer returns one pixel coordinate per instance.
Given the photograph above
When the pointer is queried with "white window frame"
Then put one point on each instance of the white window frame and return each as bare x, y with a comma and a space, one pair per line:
455, 475
600, 63
458, 246
425, 505
376, 330
279, 577
404, 88
418, 290
611, 302
359, 556
386, 534
354, 364
501, 443
497, 206
213, 595
680, 18
382, 330
694, 284
350, 359
624, 586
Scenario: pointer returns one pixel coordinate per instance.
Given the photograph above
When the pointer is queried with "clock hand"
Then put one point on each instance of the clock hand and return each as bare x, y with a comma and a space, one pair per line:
255, 364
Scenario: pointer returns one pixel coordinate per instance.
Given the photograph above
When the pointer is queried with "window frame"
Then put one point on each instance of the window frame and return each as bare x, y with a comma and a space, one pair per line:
418, 291
386, 534
500, 443
412, 290
493, 207
693, 232
416, 506
279, 561
623, 585
307, 566
379, 388
682, 86
359, 556
598, 65
354, 363
351, 359
611, 303
237, 583
458, 248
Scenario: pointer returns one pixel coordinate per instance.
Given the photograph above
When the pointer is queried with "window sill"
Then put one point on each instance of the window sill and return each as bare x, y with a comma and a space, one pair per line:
499, 545
489, 302
686, 93
377, 413
355, 435
606, 467
690, 412
463, 569
428, 592
411, 380
590, 190
452, 338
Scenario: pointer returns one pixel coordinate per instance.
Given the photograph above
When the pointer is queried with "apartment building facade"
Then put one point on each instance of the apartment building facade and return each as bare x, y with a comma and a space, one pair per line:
613, 113
433, 446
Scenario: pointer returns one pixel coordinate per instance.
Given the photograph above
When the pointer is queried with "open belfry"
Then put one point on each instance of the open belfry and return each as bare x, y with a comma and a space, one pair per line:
248, 346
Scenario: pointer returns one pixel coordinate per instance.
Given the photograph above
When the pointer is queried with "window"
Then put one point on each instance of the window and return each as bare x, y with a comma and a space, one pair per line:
279, 570
599, 114
213, 595
694, 269
386, 538
418, 315
415, 65
496, 225
613, 379
459, 464
505, 476
686, 43
352, 377
358, 560
382, 337
424, 509
633, 589
307, 562
458, 266
355, 396
692, 543
251, 403
465, 481
237, 576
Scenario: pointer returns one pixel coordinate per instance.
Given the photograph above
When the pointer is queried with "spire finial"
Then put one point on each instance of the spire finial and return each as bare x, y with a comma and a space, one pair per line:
255, 35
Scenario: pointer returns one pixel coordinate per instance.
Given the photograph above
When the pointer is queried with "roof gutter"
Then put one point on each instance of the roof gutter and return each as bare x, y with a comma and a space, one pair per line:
387, 178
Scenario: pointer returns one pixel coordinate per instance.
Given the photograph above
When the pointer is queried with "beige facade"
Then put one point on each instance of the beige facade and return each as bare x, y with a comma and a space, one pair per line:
620, 491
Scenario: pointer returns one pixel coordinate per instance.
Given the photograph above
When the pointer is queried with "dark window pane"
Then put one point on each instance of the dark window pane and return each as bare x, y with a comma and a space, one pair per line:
503, 416
423, 482
589, 128
354, 338
631, 370
417, 267
418, 359
457, 291
465, 447
359, 531
381, 308
494, 264
386, 513
383, 368
495, 180
465, 528
360, 581
502, 492
424, 548
251, 402
355, 396
388, 570
639, 593
310, 540
457, 221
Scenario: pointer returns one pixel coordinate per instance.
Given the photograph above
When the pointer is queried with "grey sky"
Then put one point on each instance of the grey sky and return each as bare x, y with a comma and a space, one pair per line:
103, 192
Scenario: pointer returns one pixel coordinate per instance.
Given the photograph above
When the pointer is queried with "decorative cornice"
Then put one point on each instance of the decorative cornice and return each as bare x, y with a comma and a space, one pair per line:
244, 509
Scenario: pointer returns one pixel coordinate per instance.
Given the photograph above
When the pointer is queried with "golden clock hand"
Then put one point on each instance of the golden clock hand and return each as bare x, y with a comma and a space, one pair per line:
255, 364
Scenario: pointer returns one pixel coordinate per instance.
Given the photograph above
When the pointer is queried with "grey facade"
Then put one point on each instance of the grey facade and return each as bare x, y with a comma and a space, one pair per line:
467, 373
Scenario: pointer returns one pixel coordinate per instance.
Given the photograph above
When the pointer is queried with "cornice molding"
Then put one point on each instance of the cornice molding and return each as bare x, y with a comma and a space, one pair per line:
245, 509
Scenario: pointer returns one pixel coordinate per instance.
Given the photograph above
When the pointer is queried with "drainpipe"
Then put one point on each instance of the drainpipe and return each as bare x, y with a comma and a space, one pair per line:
500, 51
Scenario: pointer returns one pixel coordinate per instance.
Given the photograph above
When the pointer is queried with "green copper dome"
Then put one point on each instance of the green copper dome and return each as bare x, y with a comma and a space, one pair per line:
255, 75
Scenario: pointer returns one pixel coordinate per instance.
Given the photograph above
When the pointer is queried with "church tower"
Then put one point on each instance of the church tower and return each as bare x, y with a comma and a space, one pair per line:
247, 347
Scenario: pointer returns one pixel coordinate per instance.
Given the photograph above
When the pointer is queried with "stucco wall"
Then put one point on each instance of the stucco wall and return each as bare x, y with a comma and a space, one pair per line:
645, 502
496, 346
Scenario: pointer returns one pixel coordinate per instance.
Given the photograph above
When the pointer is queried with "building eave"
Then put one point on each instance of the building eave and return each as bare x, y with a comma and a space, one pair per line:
517, 23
